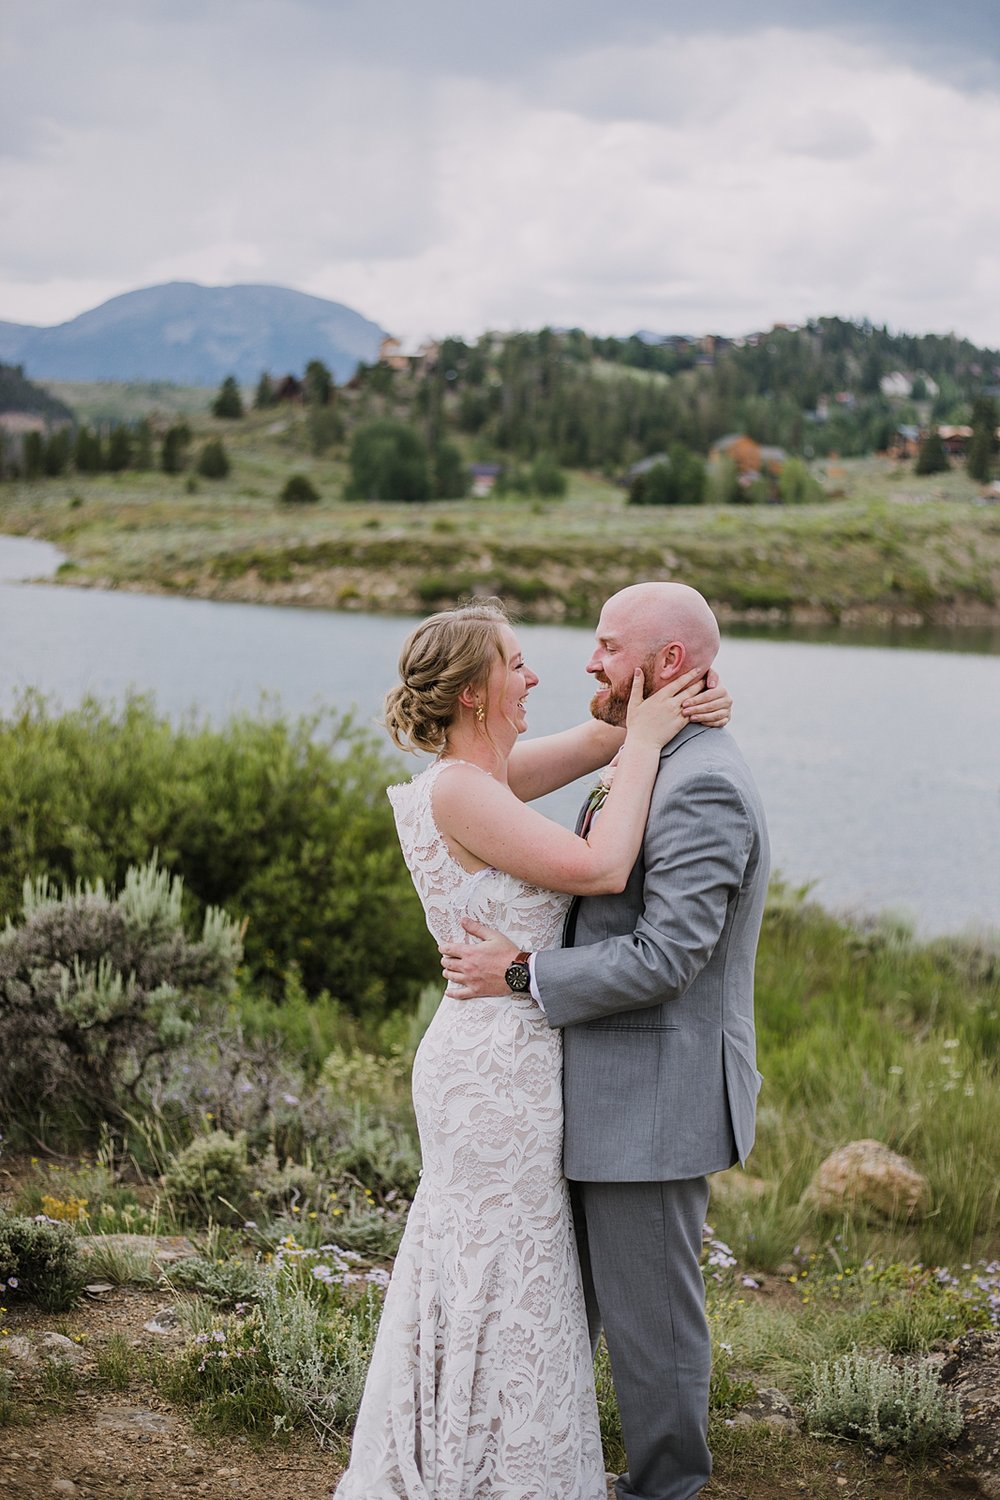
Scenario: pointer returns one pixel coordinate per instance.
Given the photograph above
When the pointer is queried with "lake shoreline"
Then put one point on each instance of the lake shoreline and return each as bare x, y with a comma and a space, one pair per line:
353, 591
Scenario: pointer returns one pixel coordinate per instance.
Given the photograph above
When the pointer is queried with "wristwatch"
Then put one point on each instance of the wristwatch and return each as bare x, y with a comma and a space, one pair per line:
518, 975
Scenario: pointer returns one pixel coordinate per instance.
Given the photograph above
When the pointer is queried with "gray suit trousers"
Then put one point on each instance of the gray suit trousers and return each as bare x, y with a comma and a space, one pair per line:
640, 1246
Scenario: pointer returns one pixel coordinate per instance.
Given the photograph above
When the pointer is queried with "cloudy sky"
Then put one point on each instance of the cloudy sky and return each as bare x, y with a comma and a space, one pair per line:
452, 165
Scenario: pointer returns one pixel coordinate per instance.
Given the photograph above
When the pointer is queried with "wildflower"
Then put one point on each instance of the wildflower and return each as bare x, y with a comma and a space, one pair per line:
250, 1224
290, 1099
749, 1281
13, 1283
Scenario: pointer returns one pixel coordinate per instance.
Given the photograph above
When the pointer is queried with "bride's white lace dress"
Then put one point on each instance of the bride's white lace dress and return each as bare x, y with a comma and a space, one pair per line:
481, 1382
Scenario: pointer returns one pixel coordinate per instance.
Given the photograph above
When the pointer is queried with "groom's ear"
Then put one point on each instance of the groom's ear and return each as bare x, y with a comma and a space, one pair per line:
670, 661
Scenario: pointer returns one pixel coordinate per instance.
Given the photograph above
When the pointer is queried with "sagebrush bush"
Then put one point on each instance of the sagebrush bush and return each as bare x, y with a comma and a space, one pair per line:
40, 1262
93, 986
227, 1284
890, 1407
298, 490
210, 1177
284, 824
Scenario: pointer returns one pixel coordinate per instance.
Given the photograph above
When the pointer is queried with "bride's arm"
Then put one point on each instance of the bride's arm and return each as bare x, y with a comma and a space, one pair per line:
539, 766
480, 817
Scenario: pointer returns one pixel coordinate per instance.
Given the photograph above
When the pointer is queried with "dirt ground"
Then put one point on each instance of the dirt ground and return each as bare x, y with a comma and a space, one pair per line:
100, 1444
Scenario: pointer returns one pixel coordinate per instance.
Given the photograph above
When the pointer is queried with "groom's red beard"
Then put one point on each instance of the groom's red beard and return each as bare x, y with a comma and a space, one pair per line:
613, 708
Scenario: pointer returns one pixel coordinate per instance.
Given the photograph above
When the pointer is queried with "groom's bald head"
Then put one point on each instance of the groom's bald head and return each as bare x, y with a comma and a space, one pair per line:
664, 628
652, 617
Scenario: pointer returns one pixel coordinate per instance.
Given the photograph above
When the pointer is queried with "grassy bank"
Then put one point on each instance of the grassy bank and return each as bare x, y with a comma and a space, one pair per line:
197, 1081
283, 1149
887, 548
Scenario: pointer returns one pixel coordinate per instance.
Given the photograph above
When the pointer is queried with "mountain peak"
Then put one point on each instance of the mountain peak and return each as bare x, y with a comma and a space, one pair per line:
196, 335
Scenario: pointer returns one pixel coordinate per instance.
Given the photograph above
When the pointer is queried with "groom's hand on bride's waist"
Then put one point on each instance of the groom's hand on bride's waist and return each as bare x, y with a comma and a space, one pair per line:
477, 967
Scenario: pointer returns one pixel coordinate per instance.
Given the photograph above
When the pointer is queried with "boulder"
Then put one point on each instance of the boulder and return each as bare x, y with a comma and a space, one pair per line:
56, 1346
867, 1179
771, 1407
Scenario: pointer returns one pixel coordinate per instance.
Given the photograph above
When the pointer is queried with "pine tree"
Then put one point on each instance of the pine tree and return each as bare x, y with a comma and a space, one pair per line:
119, 449
173, 454
264, 394
983, 447
933, 456
228, 404
318, 383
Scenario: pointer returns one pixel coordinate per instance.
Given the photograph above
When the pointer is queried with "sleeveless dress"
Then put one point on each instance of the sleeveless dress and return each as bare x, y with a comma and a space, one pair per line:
481, 1383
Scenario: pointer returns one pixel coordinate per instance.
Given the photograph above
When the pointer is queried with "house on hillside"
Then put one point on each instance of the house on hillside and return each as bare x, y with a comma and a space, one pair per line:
407, 356
905, 442
956, 440
289, 388
751, 459
896, 385
484, 477
644, 465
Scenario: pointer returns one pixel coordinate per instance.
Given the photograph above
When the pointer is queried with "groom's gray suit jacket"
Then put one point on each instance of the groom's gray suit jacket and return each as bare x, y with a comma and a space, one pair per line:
654, 987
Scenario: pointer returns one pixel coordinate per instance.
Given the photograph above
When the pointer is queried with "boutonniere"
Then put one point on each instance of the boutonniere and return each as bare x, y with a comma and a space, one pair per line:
599, 791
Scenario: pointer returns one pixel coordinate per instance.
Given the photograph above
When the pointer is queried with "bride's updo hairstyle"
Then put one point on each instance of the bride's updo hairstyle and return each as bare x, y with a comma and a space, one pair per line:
446, 653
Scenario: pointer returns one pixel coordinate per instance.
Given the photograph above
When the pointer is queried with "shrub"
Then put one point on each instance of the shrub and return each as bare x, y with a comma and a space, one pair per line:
678, 480
225, 1284
298, 490
213, 460
388, 462
301, 1353
547, 478
210, 1178
40, 1262
796, 486
91, 988
284, 823
887, 1406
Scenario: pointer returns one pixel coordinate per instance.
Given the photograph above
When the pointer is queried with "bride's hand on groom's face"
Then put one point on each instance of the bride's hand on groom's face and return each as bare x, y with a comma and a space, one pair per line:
477, 968
712, 706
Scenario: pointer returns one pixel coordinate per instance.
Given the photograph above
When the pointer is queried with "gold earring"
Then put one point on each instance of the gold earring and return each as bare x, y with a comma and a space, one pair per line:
480, 714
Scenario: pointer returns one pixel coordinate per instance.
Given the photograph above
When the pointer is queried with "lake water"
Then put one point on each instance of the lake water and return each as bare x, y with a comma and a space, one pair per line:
880, 769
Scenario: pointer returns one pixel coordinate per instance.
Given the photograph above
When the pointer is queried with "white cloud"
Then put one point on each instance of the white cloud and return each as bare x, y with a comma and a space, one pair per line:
687, 183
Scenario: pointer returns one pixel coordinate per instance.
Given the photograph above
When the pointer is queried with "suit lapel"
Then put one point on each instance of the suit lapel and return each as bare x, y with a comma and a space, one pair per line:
569, 925
689, 732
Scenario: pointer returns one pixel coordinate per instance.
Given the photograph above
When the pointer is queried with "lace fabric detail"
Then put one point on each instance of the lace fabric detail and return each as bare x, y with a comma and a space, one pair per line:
481, 1381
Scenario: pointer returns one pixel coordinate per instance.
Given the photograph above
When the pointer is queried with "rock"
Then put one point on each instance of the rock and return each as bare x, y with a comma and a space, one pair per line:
18, 1348
165, 1321
98, 1288
158, 1251
57, 1346
737, 1186
769, 1406
971, 1370
64, 1487
135, 1419
868, 1179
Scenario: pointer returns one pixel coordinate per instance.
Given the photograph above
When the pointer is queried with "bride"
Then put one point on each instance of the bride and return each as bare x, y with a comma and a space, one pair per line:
481, 1382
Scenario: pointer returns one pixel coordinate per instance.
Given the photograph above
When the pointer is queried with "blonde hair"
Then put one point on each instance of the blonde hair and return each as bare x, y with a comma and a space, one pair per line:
446, 653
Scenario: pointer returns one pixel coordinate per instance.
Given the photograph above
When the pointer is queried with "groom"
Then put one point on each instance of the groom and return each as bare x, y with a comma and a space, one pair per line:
654, 991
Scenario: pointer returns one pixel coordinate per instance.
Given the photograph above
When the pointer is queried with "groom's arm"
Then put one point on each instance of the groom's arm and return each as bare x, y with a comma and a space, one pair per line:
697, 844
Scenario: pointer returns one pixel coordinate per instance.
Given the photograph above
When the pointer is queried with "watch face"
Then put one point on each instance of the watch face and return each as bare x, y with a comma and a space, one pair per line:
518, 978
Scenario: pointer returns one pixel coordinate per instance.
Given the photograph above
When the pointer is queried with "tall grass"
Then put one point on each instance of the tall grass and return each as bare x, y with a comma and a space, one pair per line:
867, 1033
